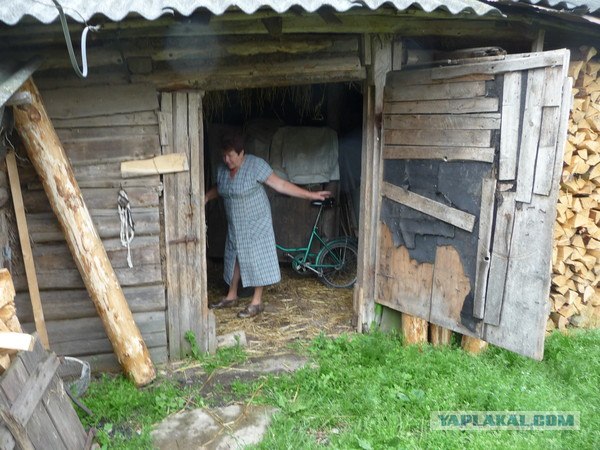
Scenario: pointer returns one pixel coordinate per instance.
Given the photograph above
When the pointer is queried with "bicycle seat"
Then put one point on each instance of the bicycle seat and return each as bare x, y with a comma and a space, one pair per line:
327, 203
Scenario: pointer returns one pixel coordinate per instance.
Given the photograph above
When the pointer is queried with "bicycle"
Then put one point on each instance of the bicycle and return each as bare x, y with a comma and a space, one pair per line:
334, 263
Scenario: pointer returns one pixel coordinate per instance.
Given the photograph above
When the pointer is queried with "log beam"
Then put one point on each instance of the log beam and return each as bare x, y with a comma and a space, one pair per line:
54, 169
414, 329
473, 345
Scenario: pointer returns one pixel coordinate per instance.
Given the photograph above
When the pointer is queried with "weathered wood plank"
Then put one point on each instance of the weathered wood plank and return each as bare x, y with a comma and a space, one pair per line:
93, 174
447, 91
371, 175
450, 289
401, 282
175, 162
525, 311
75, 133
93, 346
112, 148
486, 221
170, 232
40, 429
143, 118
443, 153
460, 106
401, 79
525, 301
44, 227
31, 277
14, 342
530, 134
450, 138
76, 304
512, 63
430, 207
486, 121
499, 260
555, 77
101, 100
145, 250
34, 388
362, 311
71, 279
107, 362
509, 131
183, 225
91, 329
97, 198
58, 404
549, 130
546, 150
245, 75
197, 249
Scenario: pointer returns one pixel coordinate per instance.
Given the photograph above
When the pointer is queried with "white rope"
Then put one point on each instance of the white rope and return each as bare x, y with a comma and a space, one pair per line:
127, 224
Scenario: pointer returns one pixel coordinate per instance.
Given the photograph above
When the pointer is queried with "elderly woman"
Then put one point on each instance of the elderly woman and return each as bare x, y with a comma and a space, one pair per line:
250, 252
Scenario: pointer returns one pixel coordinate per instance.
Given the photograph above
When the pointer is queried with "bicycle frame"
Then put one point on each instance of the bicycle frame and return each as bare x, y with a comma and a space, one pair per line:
304, 253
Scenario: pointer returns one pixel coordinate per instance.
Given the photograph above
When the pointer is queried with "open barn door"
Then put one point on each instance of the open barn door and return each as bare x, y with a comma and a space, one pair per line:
471, 165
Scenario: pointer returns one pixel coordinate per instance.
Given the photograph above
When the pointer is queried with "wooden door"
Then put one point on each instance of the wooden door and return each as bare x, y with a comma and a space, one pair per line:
181, 131
472, 158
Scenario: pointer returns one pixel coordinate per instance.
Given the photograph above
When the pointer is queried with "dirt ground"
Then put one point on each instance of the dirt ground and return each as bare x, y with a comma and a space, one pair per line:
297, 308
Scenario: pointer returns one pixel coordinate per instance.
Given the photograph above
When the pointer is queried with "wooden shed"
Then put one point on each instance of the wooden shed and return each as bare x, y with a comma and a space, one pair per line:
455, 114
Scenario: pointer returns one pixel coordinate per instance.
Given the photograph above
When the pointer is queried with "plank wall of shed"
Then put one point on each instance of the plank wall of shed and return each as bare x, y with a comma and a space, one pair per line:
99, 127
111, 117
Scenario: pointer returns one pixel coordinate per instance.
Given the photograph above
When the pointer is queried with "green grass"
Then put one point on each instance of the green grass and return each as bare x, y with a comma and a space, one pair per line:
370, 392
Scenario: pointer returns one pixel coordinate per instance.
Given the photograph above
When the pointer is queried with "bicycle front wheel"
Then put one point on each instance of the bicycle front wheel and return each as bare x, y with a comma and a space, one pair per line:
338, 262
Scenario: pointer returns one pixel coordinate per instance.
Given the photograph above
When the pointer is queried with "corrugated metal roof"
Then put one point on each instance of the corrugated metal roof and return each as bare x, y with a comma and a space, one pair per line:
577, 6
13, 11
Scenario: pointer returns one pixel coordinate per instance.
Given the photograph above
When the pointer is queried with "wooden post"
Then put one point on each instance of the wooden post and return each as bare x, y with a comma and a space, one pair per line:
414, 329
473, 345
54, 169
371, 171
32, 283
439, 335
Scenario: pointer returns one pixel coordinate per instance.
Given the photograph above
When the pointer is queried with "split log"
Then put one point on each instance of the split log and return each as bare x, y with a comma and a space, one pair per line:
473, 345
576, 255
54, 169
414, 329
439, 335
11, 342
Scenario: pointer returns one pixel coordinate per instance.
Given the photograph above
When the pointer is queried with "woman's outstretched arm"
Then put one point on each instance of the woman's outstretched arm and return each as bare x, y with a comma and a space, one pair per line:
285, 187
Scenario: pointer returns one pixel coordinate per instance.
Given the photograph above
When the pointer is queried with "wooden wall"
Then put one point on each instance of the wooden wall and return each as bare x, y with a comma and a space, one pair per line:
99, 127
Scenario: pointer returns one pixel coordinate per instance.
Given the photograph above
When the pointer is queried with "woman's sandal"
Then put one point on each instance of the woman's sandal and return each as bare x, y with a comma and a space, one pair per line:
224, 303
251, 311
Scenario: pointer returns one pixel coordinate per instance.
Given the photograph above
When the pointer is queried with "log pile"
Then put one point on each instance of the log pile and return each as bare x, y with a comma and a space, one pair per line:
575, 299
11, 337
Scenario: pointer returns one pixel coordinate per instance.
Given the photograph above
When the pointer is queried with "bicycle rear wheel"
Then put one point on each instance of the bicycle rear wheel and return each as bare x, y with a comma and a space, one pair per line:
338, 261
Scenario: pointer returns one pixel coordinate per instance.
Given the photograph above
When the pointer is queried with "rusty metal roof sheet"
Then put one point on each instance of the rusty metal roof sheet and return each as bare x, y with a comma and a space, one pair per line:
13, 75
44, 11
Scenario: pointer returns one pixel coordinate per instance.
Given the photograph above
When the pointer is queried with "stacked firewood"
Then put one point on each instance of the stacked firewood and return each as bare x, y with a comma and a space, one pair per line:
575, 299
11, 337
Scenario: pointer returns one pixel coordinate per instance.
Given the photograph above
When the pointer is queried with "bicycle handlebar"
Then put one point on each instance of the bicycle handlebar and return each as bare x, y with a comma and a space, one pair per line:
327, 203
